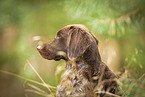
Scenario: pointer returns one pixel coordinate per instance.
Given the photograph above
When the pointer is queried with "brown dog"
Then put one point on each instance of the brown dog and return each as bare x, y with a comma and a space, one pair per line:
86, 75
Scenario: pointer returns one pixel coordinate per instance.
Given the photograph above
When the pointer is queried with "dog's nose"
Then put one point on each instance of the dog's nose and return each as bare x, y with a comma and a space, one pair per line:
39, 47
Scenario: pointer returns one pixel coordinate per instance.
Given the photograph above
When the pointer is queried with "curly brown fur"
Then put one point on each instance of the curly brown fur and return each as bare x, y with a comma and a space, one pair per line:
85, 73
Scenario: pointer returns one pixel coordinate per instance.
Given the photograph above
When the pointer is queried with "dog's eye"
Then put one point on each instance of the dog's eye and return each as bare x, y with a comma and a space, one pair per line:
58, 36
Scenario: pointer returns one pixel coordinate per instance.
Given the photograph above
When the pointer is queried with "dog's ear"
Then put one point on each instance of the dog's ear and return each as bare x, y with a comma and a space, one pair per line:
97, 42
78, 42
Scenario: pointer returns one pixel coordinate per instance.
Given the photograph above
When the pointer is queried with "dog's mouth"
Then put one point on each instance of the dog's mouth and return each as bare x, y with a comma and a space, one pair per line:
49, 53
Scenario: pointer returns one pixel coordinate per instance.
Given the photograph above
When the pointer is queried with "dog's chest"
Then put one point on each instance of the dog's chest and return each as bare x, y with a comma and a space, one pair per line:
74, 84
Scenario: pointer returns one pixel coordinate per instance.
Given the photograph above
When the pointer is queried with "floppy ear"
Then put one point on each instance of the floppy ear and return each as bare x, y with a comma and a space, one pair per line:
97, 42
79, 41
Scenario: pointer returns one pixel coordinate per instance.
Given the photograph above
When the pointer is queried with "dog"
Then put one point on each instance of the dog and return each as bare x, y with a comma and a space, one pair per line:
86, 74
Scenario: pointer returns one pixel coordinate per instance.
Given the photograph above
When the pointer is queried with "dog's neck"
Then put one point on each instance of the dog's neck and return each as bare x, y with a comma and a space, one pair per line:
74, 83
80, 67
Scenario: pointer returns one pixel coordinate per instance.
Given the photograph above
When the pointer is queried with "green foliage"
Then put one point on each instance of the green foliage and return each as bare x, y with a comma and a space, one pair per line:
20, 20
131, 87
123, 20
109, 17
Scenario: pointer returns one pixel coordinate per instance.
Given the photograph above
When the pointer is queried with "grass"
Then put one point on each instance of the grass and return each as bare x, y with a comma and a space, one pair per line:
127, 87
35, 88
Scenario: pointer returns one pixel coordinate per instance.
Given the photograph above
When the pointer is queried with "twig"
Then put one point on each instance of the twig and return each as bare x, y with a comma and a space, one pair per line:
37, 92
44, 84
38, 89
133, 84
123, 91
107, 93
100, 78
30, 80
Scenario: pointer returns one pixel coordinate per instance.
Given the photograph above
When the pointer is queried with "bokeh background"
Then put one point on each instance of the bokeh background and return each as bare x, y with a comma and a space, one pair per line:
119, 26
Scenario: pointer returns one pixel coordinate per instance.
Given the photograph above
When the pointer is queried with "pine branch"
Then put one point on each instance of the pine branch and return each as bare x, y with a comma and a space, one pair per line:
121, 18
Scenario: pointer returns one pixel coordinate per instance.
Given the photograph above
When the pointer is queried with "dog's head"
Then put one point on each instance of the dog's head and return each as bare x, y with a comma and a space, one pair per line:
75, 41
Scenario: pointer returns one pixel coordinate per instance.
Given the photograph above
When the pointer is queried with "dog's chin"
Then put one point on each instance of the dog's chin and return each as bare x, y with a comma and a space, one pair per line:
56, 58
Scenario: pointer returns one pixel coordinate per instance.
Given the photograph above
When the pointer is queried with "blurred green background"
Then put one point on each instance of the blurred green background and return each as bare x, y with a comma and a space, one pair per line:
119, 26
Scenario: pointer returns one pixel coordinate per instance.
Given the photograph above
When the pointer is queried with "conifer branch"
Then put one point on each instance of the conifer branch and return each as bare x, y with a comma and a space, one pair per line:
121, 18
